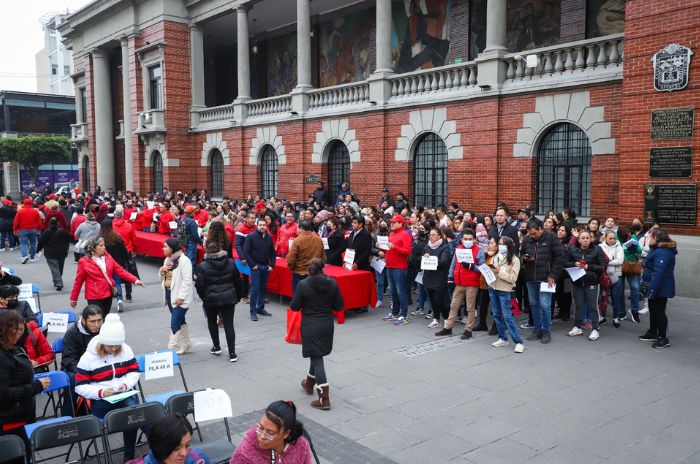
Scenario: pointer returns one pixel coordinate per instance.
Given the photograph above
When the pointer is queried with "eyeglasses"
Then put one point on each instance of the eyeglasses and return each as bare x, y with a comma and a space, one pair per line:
259, 431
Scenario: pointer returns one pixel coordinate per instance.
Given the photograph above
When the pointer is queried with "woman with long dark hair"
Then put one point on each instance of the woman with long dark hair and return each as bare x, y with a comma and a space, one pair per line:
506, 267
114, 243
176, 273
658, 285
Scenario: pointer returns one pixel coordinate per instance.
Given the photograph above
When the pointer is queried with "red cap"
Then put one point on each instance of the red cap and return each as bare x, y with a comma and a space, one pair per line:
27, 201
396, 218
52, 196
260, 205
189, 209
7, 202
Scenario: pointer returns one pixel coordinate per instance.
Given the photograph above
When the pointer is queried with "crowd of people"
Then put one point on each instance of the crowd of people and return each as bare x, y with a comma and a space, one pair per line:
454, 262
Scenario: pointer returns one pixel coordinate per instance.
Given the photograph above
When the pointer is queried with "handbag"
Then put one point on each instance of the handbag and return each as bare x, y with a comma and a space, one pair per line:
631, 268
515, 307
605, 280
293, 327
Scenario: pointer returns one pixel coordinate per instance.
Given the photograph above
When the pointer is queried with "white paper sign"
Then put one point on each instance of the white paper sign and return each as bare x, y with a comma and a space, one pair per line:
158, 365
429, 263
464, 256
25, 291
173, 224
383, 242
419, 278
488, 274
56, 322
325, 243
575, 273
290, 243
377, 264
349, 258
199, 231
211, 404
544, 287
32, 304
150, 204
133, 216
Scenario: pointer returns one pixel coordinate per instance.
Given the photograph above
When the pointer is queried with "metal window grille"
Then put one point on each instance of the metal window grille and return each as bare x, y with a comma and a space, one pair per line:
430, 172
564, 170
86, 174
157, 164
155, 78
268, 172
338, 166
216, 174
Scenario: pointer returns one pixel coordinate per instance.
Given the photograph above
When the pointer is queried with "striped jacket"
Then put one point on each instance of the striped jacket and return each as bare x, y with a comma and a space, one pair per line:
94, 373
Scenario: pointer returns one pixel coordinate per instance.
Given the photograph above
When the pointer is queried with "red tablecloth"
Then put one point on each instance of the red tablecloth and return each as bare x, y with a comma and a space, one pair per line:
151, 244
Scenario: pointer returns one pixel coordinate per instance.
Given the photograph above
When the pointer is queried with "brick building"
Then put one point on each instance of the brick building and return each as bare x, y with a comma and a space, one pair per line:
542, 102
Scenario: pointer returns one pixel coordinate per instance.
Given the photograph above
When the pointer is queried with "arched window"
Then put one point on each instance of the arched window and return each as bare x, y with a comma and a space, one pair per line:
268, 172
564, 170
86, 174
338, 166
157, 165
216, 174
430, 171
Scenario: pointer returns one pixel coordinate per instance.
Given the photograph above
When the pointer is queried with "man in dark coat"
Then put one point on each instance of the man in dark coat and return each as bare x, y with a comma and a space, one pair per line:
319, 195
501, 228
361, 241
7, 218
259, 253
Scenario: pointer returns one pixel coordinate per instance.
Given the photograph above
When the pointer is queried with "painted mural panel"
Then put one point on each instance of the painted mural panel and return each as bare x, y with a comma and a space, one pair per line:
344, 49
420, 34
533, 24
605, 17
281, 64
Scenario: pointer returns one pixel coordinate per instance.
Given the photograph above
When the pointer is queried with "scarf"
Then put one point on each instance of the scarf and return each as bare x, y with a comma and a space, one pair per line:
436, 245
172, 260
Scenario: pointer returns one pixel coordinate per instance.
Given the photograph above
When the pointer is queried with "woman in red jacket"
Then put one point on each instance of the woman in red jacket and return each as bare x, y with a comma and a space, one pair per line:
37, 347
95, 269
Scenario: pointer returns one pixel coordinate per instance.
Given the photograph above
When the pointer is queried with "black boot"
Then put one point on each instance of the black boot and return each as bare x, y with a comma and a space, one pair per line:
494, 330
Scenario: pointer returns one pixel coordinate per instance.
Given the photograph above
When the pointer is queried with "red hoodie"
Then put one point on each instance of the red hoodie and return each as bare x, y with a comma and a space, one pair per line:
27, 218
125, 229
397, 257
59, 217
77, 220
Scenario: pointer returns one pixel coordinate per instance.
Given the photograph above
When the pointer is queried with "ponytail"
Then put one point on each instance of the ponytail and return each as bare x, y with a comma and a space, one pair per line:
284, 415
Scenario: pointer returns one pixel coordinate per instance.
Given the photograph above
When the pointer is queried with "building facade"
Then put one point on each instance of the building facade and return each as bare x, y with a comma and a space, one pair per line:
542, 102
54, 63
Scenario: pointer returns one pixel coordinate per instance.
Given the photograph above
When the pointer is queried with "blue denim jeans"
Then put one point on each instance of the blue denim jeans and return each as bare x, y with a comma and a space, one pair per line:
258, 287
100, 408
191, 252
6, 237
617, 295
381, 283
399, 292
503, 316
296, 278
633, 281
118, 283
540, 307
423, 297
28, 237
177, 314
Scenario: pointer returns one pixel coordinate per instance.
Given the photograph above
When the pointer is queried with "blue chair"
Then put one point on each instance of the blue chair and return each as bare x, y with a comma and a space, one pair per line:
9, 269
57, 347
161, 398
59, 381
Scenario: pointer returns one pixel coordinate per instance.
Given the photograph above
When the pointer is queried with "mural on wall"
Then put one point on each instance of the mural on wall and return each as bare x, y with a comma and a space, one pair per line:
477, 27
281, 64
532, 23
420, 34
344, 49
605, 17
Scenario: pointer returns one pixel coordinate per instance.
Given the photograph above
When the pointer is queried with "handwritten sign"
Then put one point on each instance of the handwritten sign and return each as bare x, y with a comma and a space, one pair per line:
325, 243
429, 263
211, 404
158, 365
133, 216
383, 242
56, 322
349, 258
173, 224
488, 274
25, 291
464, 255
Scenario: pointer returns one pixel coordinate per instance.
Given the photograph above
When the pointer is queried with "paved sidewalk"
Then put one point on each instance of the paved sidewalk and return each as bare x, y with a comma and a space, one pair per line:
400, 396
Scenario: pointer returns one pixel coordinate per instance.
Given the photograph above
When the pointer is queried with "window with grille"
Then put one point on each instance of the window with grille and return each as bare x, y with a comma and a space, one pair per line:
268, 172
338, 166
216, 174
86, 174
155, 82
430, 172
157, 165
564, 170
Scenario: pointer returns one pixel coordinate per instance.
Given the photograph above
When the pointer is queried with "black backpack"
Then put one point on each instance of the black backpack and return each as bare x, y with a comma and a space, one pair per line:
181, 232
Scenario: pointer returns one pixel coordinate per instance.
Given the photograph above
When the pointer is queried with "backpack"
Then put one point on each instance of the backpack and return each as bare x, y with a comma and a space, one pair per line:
181, 232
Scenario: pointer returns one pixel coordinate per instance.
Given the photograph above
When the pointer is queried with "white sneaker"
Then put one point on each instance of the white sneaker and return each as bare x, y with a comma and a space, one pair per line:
645, 309
434, 325
379, 304
519, 348
594, 335
500, 342
575, 331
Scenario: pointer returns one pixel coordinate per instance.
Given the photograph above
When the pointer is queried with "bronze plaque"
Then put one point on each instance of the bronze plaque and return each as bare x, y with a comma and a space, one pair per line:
670, 203
312, 179
670, 162
672, 124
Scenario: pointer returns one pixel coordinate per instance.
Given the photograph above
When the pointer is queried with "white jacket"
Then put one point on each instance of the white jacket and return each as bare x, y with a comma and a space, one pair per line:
181, 284
616, 256
94, 373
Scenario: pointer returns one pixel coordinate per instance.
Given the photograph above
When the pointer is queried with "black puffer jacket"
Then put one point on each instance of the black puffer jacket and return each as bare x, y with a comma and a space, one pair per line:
419, 244
7, 218
437, 280
55, 242
217, 281
594, 257
336, 247
17, 387
317, 297
548, 259
75, 343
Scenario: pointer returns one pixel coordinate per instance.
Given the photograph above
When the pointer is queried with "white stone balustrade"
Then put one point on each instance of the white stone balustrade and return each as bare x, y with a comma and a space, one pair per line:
78, 132
339, 95
151, 121
436, 80
216, 113
269, 106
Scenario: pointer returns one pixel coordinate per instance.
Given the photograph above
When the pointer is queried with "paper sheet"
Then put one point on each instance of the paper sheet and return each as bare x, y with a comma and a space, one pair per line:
382, 242
575, 273
488, 274
544, 287
117, 397
419, 277
378, 264
429, 263
325, 243
464, 256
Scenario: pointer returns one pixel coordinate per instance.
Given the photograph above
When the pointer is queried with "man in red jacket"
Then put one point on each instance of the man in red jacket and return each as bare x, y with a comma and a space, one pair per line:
200, 215
400, 243
127, 233
287, 232
27, 222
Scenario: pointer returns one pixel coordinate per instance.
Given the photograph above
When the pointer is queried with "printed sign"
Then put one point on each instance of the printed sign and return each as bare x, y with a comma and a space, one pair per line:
488, 274
429, 263
378, 264
133, 216
158, 365
383, 242
56, 322
173, 224
464, 255
325, 243
25, 291
211, 404
349, 258
150, 204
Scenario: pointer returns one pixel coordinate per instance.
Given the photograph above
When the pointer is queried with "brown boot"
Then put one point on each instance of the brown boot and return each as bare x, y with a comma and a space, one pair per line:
308, 384
323, 402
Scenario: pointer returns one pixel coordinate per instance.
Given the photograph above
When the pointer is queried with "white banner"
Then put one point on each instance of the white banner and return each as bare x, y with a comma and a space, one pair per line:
56, 322
159, 365
429, 263
211, 404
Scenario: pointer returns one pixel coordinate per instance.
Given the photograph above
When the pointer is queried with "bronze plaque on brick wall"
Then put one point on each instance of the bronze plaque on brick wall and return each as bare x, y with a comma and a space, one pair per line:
672, 124
670, 162
670, 203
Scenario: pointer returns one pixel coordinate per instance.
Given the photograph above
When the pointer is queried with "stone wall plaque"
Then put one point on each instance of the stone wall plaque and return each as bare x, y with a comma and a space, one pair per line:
670, 203
672, 124
312, 179
670, 162
671, 66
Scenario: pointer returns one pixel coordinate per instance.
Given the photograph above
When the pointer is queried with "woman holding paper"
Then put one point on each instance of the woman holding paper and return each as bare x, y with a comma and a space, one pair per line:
590, 259
435, 265
505, 267
108, 368
616, 255
336, 242
178, 286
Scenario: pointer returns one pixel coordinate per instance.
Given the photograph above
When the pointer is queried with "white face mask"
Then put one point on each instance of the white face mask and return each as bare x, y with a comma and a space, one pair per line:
468, 243
503, 249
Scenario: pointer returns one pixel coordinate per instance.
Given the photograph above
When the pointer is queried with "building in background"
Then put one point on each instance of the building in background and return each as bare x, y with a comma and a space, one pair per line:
54, 63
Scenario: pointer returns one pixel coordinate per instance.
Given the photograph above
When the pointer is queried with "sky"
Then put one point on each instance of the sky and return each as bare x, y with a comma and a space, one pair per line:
21, 37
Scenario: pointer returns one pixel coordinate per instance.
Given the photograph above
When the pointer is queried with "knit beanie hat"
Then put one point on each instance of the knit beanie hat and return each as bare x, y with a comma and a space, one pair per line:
112, 331
173, 244
480, 231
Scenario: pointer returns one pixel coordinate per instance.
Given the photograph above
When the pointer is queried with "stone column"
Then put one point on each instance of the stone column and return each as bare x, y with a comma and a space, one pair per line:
495, 25
126, 102
384, 60
303, 44
243, 54
104, 134
197, 66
